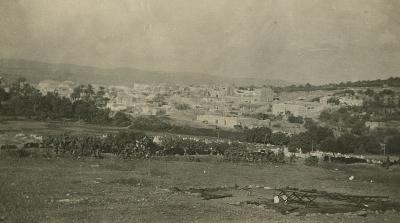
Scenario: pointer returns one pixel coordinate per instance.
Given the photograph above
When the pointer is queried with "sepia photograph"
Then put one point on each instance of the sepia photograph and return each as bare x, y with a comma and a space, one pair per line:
202, 111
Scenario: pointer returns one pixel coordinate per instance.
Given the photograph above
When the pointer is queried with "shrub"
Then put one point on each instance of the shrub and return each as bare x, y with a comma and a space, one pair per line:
20, 153
181, 106
311, 161
296, 119
121, 119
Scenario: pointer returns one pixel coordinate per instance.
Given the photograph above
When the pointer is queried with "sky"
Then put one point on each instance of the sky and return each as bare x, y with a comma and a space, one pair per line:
316, 41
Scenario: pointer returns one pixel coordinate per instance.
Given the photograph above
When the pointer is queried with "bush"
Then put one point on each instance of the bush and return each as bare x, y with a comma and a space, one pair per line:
181, 106
393, 145
333, 100
20, 153
121, 119
296, 119
311, 161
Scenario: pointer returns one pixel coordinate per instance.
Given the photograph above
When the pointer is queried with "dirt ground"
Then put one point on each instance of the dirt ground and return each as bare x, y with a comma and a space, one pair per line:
35, 189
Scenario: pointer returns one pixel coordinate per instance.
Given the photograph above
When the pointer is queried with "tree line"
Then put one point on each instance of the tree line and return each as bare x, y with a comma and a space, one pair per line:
390, 82
22, 99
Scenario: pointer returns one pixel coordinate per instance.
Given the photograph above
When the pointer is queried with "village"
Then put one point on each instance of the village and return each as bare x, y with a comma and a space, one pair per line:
200, 111
225, 106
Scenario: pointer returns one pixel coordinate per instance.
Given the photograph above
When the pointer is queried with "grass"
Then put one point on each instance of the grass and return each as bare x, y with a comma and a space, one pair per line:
111, 190
34, 188
365, 172
132, 181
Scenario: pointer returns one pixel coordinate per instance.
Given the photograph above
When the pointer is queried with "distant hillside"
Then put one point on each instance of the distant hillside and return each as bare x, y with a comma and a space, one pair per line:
36, 71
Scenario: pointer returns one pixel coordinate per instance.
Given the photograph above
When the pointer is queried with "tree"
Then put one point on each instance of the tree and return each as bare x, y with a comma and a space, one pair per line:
76, 93
279, 138
316, 132
3, 98
258, 135
359, 128
84, 110
387, 92
3, 95
333, 100
346, 143
328, 145
121, 119
325, 115
83, 92
368, 144
301, 141
369, 92
393, 144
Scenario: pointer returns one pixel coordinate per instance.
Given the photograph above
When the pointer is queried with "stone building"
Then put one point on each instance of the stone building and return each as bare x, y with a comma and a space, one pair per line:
266, 94
304, 109
232, 122
220, 121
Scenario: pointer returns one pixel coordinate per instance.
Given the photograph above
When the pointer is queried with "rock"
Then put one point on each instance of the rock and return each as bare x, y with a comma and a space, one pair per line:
276, 199
351, 178
238, 203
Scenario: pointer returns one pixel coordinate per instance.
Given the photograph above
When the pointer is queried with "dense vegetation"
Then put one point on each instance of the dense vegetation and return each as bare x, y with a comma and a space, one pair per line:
322, 138
22, 99
86, 104
132, 145
391, 82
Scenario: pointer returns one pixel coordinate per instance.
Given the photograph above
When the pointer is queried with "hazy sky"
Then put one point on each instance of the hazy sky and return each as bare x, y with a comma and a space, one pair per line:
297, 40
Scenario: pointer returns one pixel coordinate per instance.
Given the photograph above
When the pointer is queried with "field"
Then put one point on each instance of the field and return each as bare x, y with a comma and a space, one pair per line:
39, 189
35, 189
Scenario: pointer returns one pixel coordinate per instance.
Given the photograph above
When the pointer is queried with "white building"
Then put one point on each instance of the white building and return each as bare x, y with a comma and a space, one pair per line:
304, 109
64, 89
221, 121
232, 122
116, 107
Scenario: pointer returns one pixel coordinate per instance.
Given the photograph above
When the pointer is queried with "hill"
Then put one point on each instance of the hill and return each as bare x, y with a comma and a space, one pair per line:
36, 71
